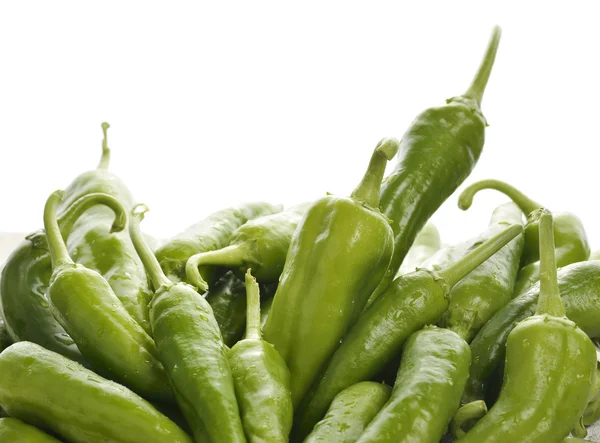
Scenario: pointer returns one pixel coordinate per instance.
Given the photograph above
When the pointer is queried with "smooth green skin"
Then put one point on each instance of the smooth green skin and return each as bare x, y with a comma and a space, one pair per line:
15, 430
261, 244
214, 232
425, 245
227, 298
579, 285
50, 391
432, 375
350, 413
437, 153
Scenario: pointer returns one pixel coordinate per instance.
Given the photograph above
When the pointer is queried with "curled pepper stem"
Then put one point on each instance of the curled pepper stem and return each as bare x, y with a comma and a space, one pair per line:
482, 76
525, 204
157, 275
68, 218
368, 190
549, 301
252, 307
105, 159
457, 270
467, 413
59, 255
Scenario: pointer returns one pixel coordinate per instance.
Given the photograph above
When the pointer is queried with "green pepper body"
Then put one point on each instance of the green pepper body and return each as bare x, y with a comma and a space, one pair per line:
433, 372
227, 298
50, 391
425, 245
5, 340
13, 430
350, 413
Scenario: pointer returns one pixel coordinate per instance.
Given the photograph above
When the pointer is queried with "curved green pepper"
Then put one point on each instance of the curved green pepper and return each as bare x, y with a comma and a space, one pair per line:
191, 349
15, 430
87, 308
262, 380
413, 300
549, 369
437, 153
571, 240
350, 413
337, 257
427, 243
433, 372
48, 390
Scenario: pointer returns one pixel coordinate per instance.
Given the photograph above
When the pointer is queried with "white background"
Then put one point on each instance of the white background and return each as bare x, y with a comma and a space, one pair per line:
212, 105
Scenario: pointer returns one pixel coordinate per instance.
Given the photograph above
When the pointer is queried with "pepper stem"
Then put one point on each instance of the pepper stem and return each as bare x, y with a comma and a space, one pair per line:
68, 218
252, 307
457, 270
482, 76
368, 190
525, 204
157, 275
105, 159
58, 250
549, 301
465, 417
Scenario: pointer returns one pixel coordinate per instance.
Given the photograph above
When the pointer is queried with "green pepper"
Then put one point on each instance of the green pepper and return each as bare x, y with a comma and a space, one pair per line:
350, 413
5, 340
262, 379
87, 308
425, 245
337, 257
571, 240
261, 244
433, 372
227, 298
411, 302
437, 153
52, 392
549, 370
15, 430
191, 348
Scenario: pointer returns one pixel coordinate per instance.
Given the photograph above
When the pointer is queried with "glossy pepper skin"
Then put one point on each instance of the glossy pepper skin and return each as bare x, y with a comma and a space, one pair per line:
427, 242
261, 244
570, 238
413, 301
316, 300
433, 372
437, 153
350, 413
15, 430
191, 348
25, 279
549, 370
262, 379
87, 308
77, 404
579, 285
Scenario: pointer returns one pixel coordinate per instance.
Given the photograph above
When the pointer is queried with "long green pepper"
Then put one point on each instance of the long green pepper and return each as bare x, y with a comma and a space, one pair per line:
15, 430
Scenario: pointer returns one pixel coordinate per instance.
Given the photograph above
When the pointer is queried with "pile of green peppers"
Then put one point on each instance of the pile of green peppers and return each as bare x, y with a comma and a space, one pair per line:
339, 320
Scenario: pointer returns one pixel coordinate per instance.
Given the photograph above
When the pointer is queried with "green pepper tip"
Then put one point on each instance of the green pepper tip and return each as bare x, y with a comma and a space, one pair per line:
388, 147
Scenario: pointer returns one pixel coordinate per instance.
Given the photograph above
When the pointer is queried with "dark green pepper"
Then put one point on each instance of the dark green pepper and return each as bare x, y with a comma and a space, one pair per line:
571, 240
437, 153
227, 298
5, 340
261, 244
426, 243
52, 392
262, 379
337, 257
413, 301
87, 308
191, 348
13, 430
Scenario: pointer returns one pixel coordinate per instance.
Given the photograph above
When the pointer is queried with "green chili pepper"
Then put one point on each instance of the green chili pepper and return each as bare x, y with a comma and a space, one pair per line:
579, 285
191, 347
265, 308
433, 372
337, 257
262, 379
87, 308
550, 367
52, 392
437, 153
350, 413
425, 245
466, 417
13, 430
227, 298
571, 240
261, 244
413, 301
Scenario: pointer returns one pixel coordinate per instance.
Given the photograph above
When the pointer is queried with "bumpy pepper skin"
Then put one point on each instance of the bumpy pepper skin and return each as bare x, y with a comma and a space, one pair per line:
425, 245
350, 413
437, 153
433, 372
191, 349
412, 301
15, 430
262, 380
337, 257
48, 390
